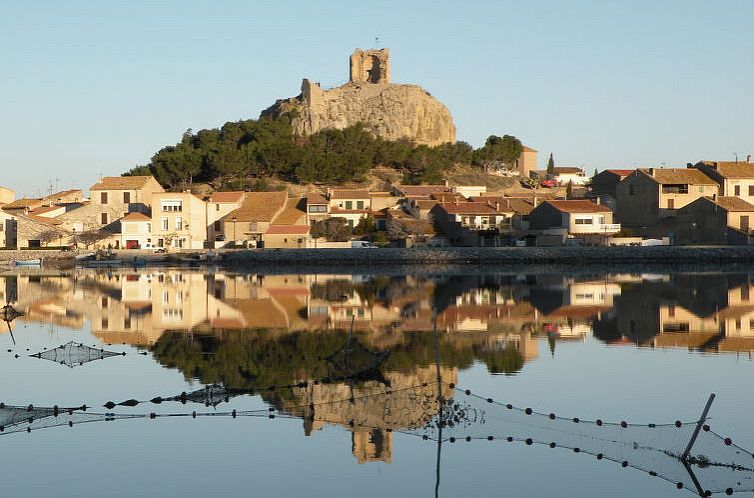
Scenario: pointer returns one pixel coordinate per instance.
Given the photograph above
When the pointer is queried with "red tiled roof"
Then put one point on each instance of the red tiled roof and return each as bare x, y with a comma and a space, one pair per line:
226, 197
316, 199
579, 206
349, 194
136, 217
288, 229
621, 172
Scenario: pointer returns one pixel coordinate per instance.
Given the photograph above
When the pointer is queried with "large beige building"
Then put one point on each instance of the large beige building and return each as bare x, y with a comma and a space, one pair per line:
179, 220
736, 179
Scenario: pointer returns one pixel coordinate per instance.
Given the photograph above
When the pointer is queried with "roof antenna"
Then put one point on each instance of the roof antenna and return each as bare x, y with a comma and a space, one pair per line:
376, 42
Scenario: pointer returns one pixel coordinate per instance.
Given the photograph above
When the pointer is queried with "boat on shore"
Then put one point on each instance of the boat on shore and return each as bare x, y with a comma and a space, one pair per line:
26, 262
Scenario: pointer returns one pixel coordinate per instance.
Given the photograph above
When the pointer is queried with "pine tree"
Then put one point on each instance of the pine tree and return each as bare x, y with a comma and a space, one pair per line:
551, 165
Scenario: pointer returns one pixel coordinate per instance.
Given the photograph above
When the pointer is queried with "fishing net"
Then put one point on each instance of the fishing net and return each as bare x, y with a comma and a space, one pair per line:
74, 354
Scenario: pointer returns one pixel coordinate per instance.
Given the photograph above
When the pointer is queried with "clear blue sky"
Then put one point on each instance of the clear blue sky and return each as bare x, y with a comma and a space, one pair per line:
90, 87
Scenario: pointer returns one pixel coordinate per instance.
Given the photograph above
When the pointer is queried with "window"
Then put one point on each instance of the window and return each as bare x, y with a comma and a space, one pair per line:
105, 323
104, 219
737, 190
172, 206
317, 209
126, 197
745, 292
103, 198
164, 225
127, 323
217, 207
149, 229
178, 223
701, 190
218, 226
680, 188
349, 204
584, 221
1, 226
751, 190
359, 204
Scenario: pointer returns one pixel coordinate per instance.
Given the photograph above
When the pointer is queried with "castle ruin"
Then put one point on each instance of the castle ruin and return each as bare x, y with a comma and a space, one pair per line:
370, 66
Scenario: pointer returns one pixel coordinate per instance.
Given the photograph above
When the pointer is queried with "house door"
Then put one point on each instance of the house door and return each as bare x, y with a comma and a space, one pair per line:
671, 203
744, 223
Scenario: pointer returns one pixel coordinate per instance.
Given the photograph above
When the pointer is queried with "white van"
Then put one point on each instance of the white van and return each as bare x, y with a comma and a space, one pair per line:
362, 244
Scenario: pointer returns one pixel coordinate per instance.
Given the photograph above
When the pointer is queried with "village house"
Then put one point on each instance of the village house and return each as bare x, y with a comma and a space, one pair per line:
736, 179
136, 231
7, 230
317, 208
289, 228
647, 196
583, 220
219, 206
715, 220
605, 186
421, 191
569, 174
248, 224
179, 220
473, 223
521, 207
118, 195
351, 204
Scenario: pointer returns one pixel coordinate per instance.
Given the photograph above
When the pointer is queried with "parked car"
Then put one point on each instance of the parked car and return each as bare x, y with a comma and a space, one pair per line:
362, 244
549, 183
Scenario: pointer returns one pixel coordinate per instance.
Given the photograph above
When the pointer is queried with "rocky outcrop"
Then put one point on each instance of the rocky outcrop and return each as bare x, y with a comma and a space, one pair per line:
390, 111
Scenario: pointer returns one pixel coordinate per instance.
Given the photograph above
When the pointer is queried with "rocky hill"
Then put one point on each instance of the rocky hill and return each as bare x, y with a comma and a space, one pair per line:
388, 110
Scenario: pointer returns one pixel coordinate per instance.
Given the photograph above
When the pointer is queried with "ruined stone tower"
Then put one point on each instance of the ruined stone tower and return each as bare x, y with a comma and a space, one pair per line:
370, 66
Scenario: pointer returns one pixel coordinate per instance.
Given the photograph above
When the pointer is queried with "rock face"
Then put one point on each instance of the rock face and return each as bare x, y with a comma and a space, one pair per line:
390, 111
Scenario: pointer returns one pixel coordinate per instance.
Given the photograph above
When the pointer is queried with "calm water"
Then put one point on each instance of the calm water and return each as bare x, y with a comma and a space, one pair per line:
637, 347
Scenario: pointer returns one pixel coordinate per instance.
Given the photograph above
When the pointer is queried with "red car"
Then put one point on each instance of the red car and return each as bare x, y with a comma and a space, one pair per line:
549, 183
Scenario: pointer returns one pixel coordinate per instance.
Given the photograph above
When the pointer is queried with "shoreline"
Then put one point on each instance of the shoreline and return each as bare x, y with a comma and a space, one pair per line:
426, 258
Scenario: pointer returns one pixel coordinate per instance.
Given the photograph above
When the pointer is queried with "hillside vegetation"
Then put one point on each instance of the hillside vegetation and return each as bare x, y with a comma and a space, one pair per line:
244, 154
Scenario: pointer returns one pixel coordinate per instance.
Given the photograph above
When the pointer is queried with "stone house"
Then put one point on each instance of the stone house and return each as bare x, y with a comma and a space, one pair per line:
219, 206
22, 206
716, 220
179, 220
119, 195
8, 230
248, 224
38, 231
574, 219
736, 179
521, 207
646, 196
287, 237
605, 186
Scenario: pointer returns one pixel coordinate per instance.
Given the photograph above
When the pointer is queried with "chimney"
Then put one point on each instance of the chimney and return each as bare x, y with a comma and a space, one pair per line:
714, 197
652, 172
455, 200
497, 206
748, 158
599, 200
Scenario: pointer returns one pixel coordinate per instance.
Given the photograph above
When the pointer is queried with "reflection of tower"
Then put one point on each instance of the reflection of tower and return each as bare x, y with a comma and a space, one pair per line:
372, 445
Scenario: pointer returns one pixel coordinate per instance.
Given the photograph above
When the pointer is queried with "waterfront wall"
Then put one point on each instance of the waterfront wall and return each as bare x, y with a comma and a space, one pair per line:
666, 255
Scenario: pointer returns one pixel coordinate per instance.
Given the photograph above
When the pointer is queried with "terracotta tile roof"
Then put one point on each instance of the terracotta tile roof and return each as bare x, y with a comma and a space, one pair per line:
288, 229
259, 206
380, 193
566, 170
729, 169
45, 209
42, 219
64, 193
136, 217
121, 183
316, 199
226, 197
732, 203
677, 176
620, 172
426, 203
579, 206
349, 194
421, 190
507, 204
23, 204
447, 196
292, 213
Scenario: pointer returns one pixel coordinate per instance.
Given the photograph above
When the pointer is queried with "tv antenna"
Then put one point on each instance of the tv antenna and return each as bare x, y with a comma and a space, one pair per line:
376, 42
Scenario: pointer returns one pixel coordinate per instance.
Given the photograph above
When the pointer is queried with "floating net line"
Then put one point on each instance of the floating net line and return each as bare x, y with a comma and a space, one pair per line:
75, 354
446, 414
